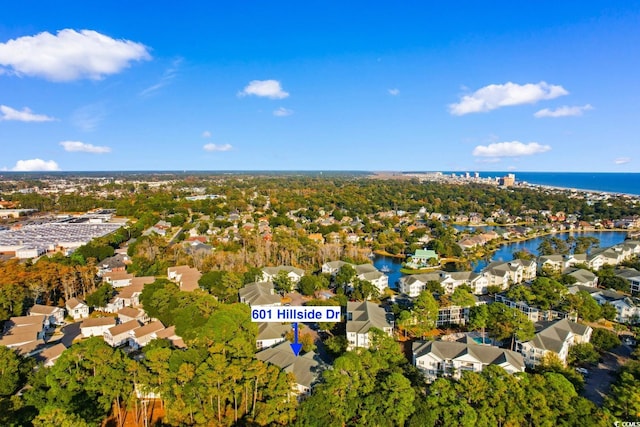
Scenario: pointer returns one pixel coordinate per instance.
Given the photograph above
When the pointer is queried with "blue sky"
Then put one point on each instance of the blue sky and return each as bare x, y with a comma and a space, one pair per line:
469, 86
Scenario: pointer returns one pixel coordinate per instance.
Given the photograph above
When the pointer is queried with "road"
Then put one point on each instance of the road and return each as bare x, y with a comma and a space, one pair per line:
600, 377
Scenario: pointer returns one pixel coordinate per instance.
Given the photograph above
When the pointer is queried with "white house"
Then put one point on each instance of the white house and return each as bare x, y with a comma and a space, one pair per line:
129, 313
186, 277
633, 276
77, 309
260, 293
361, 317
270, 334
97, 326
118, 279
49, 355
306, 368
55, 315
556, 338
332, 267
371, 274
270, 273
120, 334
443, 358
145, 334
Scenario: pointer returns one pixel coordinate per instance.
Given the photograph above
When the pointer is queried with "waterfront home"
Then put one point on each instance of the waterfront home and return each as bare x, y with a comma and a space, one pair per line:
55, 315
96, 327
77, 309
558, 263
370, 273
414, 284
361, 317
421, 258
553, 338
259, 293
505, 274
451, 359
306, 368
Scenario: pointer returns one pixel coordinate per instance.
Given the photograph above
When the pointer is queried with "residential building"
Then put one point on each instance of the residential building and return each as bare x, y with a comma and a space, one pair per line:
270, 273
145, 334
129, 313
305, 368
97, 326
553, 338
361, 318
55, 315
117, 279
259, 293
121, 334
170, 335
77, 309
583, 277
443, 358
633, 276
270, 334
186, 277
49, 355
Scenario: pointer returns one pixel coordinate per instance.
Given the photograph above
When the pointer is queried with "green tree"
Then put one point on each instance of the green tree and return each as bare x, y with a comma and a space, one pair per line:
345, 275
101, 296
582, 353
425, 313
609, 312
282, 282
462, 297
604, 339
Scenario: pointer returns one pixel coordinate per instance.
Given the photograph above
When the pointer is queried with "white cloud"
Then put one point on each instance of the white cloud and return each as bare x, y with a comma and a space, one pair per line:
282, 112
394, 92
264, 88
69, 55
622, 160
214, 147
564, 111
33, 165
502, 95
26, 115
509, 149
77, 146
206, 134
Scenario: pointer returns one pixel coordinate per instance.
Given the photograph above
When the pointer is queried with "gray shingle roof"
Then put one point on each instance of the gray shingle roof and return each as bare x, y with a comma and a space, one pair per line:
364, 316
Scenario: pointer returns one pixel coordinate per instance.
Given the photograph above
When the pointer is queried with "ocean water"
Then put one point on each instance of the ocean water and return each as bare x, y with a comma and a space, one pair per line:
627, 183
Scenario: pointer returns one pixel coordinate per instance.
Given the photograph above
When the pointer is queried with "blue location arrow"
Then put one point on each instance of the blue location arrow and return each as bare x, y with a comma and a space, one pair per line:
296, 346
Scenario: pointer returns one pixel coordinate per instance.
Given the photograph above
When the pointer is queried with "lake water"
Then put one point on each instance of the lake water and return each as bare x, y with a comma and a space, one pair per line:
505, 253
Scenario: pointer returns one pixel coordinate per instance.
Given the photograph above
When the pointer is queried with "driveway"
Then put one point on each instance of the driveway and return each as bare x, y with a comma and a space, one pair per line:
70, 332
600, 377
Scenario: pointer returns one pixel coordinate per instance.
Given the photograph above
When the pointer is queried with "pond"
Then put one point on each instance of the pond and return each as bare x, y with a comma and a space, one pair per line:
505, 253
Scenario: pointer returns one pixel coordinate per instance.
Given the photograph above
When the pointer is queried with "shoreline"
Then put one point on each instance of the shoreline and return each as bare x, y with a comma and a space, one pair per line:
527, 184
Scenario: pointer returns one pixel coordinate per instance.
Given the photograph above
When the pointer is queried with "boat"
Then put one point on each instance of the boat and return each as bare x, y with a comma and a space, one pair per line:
385, 269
